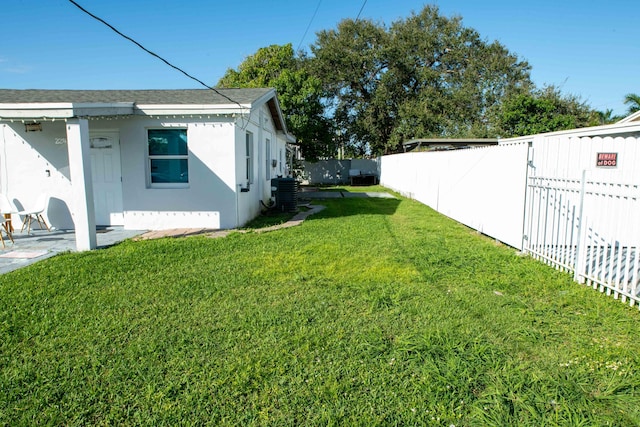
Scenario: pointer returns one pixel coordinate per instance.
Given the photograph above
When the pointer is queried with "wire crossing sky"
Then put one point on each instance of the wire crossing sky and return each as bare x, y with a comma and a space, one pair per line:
589, 49
309, 26
115, 30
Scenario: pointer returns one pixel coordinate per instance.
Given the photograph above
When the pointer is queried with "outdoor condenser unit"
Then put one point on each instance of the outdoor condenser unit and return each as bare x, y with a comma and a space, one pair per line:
285, 191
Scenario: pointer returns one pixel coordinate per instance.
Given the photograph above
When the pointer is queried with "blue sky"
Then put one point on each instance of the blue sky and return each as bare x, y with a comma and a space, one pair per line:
587, 48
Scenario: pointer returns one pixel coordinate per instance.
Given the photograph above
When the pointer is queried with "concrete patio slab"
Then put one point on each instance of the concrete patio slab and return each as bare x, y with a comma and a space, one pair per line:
175, 232
42, 244
379, 195
313, 195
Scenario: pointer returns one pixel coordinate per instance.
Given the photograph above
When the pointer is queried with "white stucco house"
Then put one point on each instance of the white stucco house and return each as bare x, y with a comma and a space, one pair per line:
142, 159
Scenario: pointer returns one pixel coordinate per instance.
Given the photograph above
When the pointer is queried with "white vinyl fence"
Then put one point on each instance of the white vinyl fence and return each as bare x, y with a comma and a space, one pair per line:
483, 188
587, 227
547, 197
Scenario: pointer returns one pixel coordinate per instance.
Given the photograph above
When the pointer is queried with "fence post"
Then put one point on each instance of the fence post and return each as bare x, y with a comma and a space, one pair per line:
530, 169
578, 268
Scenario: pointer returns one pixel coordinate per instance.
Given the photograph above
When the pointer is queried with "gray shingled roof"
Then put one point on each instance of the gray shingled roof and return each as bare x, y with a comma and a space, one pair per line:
140, 97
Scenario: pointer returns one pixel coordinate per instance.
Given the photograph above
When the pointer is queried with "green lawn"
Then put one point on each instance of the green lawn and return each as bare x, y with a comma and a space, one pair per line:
372, 312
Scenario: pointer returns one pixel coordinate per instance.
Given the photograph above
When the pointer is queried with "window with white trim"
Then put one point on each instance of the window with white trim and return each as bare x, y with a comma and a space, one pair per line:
168, 158
267, 157
249, 157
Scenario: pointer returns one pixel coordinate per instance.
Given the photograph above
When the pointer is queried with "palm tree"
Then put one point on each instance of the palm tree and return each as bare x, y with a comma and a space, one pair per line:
633, 100
605, 117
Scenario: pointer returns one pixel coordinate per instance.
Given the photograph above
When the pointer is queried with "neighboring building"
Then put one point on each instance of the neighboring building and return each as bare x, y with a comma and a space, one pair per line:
634, 117
445, 144
142, 159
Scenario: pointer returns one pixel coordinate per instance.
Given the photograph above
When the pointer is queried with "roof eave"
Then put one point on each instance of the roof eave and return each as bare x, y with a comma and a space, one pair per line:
271, 99
192, 109
290, 138
64, 110
631, 118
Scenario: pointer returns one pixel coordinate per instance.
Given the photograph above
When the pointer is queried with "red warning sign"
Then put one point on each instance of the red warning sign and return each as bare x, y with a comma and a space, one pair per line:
607, 160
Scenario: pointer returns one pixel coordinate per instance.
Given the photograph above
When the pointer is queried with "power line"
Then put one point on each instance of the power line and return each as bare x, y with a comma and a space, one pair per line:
153, 53
363, 4
309, 26
314, 15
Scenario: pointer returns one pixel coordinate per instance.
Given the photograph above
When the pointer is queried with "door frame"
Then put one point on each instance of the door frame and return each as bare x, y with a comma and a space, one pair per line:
115, 217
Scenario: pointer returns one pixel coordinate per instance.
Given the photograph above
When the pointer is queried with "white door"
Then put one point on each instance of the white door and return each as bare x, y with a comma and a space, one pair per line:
107, 177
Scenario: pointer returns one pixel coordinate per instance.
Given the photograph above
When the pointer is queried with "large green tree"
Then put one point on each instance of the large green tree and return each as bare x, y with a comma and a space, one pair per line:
368, 87
424, 76
299, 93
542, 110
350, 62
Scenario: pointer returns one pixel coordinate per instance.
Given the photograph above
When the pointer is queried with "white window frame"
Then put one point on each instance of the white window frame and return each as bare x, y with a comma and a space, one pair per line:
248, 144
267, 173
151, 157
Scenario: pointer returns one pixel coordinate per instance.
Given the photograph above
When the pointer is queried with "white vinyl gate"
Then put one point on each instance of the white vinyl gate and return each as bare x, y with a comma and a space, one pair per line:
588, 227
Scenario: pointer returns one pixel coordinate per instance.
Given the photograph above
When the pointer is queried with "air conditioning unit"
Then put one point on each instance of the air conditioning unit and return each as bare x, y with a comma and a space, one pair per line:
285, 191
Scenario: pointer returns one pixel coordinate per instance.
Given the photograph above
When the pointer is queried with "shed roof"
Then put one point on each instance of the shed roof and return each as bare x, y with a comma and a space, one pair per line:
447, 143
